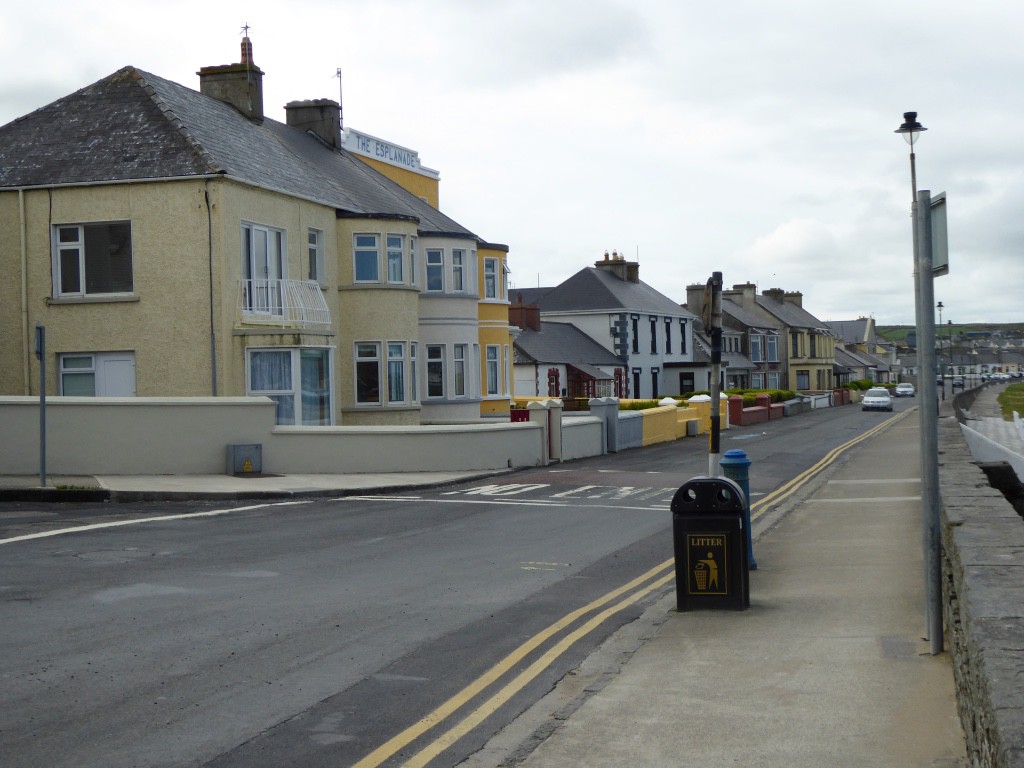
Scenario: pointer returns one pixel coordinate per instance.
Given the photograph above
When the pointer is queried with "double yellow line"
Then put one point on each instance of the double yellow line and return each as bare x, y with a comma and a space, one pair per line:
605, 607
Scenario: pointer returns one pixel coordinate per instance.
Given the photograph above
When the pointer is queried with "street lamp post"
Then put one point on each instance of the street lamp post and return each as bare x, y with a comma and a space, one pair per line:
924, 301
939, 307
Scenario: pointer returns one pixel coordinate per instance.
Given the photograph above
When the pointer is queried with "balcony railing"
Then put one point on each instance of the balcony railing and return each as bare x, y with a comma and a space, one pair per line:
283, 302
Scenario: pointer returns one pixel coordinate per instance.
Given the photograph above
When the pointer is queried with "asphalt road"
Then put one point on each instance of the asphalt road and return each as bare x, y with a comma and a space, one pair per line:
324, 632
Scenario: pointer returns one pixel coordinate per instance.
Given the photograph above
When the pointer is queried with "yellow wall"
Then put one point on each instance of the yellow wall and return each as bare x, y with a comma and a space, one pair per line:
422, 186
495, 329
165, 322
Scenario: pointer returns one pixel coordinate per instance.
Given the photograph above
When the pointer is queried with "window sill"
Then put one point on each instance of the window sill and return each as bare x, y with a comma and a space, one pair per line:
114, 298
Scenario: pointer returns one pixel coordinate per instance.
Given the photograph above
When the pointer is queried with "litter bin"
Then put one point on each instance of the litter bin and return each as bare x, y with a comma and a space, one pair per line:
709, 541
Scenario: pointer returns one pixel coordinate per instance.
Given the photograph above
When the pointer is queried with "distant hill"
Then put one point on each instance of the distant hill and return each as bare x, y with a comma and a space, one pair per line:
898, 333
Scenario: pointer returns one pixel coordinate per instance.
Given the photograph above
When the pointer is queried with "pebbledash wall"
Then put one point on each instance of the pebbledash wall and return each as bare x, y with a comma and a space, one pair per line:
983, 592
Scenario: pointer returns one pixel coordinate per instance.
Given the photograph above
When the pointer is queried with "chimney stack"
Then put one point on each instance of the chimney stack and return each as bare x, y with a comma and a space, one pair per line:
321, 117
626, 271
240, 85
524, 315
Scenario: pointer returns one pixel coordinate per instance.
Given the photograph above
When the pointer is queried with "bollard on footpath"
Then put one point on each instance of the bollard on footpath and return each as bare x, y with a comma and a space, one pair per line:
735, 465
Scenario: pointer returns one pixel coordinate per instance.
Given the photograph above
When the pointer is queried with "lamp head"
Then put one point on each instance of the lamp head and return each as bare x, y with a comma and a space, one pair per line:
910, 128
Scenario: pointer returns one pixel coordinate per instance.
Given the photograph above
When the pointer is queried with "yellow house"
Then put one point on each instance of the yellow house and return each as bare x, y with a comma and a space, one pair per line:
180, 243
492, 347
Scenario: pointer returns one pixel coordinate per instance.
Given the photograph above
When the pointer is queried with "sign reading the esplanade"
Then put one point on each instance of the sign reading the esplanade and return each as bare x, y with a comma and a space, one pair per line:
706, 563
385, 152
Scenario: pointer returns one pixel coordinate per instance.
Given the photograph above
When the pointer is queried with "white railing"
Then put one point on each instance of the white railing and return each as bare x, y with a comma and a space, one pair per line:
278, 302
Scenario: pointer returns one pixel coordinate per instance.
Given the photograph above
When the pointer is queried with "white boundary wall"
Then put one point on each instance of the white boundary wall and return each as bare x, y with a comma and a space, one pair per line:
182, 436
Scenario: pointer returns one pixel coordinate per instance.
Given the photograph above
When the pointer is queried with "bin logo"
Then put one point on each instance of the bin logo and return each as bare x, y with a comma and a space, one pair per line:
706, 560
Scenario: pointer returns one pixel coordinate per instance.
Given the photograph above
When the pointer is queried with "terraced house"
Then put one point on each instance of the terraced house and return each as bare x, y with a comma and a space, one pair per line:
793, 343
176, 242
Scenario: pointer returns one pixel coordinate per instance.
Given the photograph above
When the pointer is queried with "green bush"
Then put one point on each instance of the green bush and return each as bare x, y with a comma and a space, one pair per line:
637, 405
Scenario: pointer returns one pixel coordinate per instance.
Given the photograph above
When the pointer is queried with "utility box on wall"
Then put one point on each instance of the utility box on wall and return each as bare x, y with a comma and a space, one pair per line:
245, 459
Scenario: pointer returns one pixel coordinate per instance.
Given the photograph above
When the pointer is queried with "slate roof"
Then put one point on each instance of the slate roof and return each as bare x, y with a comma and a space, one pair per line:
852, 330
790, 315
561, 343
527, 295
133, 126
744, 317
593, 289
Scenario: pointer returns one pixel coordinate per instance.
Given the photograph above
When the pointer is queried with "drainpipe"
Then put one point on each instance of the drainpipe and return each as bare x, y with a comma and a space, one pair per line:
22, 230
213, 333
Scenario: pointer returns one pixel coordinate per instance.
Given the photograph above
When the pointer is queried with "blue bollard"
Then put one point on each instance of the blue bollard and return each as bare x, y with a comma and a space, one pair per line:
735, 465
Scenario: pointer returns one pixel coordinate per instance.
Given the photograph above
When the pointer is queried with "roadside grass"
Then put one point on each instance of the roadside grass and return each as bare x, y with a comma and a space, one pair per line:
1012, 399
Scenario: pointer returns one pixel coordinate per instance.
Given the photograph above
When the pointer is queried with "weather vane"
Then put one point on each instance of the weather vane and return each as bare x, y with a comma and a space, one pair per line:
245, 29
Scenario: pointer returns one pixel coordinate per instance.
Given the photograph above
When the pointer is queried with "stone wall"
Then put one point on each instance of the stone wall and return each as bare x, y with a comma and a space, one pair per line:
983, 591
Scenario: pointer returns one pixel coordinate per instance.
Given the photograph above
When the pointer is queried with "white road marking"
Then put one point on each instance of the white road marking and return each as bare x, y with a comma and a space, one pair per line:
141, 520
517, 502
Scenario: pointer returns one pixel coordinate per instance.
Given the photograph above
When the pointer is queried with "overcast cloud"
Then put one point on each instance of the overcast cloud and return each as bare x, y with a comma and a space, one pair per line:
746, 137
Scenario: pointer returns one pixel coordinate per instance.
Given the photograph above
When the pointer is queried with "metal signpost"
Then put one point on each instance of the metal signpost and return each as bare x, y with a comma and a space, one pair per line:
41, 356
712, 316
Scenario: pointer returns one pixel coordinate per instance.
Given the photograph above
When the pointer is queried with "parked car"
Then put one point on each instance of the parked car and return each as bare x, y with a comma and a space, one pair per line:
876, 399
905, 389
958, 382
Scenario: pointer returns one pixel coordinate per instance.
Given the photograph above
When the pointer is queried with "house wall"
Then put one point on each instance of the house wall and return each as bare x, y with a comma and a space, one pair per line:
494, 328
598, 327
165, 322
232, 204
374, 312
449, 318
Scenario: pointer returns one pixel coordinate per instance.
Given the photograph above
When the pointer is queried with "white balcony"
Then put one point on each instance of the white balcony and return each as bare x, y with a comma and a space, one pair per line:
283, 302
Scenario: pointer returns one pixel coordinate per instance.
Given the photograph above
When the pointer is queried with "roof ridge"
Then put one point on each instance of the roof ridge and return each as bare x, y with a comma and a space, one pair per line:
143, 79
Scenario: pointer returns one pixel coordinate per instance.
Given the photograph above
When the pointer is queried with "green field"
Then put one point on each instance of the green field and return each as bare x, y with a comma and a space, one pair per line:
1012, 399
898, 333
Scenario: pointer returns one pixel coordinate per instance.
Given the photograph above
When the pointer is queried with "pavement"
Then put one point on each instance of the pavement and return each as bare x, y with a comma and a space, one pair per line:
829, 666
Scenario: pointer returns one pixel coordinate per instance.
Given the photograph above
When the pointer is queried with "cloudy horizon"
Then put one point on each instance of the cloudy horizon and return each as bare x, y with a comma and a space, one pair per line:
748, 138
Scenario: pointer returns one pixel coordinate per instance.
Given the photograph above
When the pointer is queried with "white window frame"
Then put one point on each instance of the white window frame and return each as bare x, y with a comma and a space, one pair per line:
396, 372
493, 364
492, 290
460, 384
364, 354
64, 250
412, 261
434, 270
395, 258
458, 270
93, 368
295, 390
772, 348
315, 253
414, 395
435, 357
366, 252
262, 273
757, 348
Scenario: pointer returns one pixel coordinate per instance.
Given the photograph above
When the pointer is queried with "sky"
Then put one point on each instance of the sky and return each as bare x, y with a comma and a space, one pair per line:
745, 137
